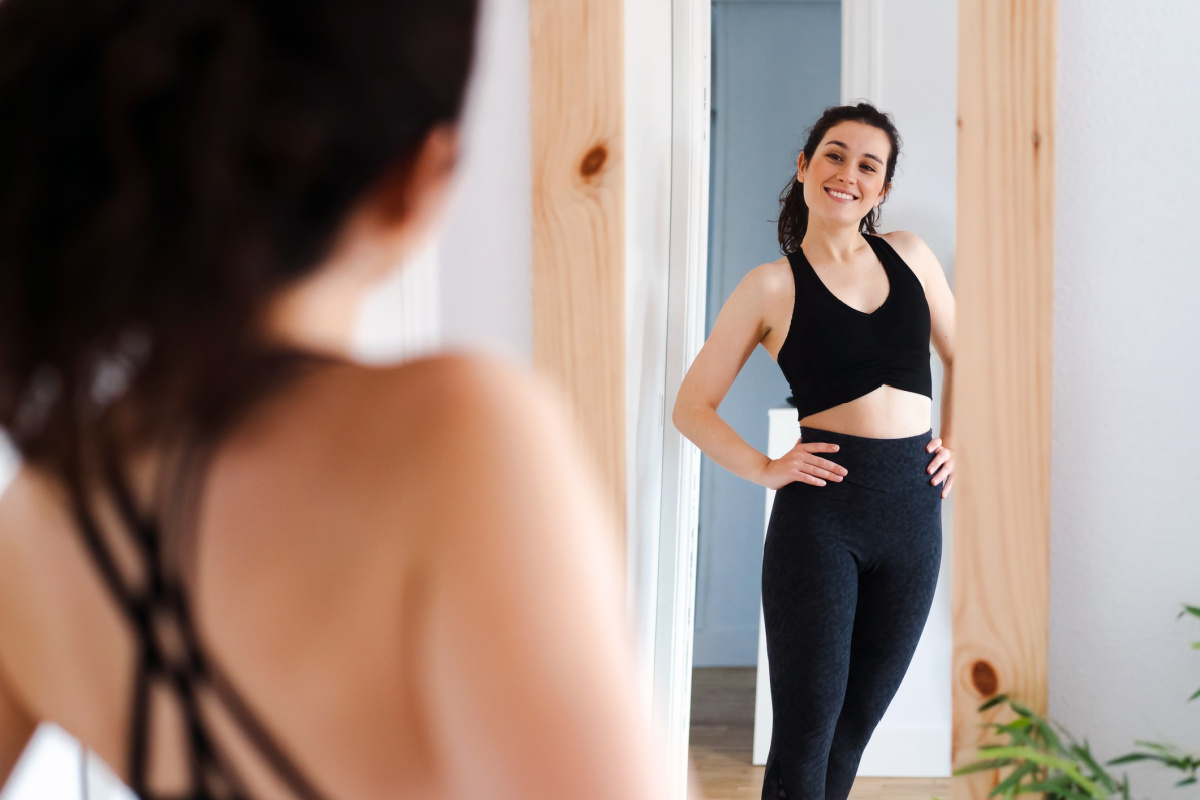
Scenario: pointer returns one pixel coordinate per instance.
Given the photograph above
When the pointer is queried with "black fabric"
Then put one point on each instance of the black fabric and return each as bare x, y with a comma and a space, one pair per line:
171, 654
849, 571
834, 353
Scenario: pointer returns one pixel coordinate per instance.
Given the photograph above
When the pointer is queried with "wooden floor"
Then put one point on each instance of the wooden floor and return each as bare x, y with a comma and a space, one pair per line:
722, 738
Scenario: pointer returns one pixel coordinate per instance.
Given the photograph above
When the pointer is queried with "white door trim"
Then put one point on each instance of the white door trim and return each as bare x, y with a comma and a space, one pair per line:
690, 123
862, 51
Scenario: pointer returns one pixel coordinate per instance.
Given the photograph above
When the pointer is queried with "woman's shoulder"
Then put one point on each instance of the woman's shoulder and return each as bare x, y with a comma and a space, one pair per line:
408, 414
768, 285
408, 466
913, 250
408, 438
772, 277
446, 394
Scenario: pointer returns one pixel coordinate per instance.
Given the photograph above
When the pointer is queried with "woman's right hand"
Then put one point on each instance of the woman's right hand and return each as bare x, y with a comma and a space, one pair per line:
800, 464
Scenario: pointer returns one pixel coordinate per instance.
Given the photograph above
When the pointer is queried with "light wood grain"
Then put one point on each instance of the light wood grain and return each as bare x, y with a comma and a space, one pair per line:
1004, 277
722, 735
577, 121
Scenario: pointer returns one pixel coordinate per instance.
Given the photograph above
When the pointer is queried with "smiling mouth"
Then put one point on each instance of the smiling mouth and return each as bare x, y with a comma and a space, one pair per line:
843, 196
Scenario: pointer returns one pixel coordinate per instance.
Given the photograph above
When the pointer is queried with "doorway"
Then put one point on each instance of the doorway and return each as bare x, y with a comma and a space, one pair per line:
775, 67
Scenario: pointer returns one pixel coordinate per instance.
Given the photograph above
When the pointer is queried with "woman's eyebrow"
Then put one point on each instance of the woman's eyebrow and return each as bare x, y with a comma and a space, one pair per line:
843, 145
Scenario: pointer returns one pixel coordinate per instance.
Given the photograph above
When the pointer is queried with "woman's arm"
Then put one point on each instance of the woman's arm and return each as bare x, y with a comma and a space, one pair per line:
527, 663
924, 263
16, 728
941, 320
740, 327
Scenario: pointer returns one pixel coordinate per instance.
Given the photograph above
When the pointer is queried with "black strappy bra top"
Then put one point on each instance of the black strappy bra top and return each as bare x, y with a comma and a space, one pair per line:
173, 666
834, 353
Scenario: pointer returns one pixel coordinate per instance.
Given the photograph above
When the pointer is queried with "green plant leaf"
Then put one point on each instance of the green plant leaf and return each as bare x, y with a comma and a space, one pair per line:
1187, 781
1043, 787
1193, 610
1023, 710
1062, 789
1048, 734
1084, 752
1077, 795
1007, 785
980, 766
1129, 758
1054, 762
993, 701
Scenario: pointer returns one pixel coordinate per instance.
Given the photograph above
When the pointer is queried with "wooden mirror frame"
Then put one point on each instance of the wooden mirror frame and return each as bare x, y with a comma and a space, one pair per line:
1004, 286
1004, 275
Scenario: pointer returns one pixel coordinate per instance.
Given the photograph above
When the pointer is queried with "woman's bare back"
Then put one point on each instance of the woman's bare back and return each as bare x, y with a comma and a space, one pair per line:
405, 574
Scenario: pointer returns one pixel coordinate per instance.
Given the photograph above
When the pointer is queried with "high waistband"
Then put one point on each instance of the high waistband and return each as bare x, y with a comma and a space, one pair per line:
888, 465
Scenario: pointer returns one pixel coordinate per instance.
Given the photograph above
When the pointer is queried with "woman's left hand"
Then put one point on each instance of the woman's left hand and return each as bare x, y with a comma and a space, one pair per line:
942, 466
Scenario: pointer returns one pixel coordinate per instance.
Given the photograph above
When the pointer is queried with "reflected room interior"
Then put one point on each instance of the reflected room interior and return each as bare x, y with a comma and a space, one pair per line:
775, 67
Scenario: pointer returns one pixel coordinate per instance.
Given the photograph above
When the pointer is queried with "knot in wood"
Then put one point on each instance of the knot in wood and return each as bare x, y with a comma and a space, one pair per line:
983, 676
593, 162
1037, 139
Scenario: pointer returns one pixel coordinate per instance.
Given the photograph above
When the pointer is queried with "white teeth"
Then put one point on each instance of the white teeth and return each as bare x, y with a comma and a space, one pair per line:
840, 195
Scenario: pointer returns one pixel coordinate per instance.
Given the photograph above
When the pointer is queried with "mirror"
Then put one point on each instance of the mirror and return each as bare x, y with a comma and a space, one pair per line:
774, 67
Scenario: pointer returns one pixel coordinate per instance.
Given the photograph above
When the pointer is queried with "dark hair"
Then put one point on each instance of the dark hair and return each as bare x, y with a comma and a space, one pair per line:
167, 167
793, 212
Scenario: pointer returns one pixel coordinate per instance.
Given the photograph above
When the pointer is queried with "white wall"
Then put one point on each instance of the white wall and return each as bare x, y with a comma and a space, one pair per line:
472, 287
1125, 536
486, 289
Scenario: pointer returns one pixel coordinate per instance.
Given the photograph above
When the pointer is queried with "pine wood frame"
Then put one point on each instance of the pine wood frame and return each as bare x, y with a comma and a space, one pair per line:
1002, 378
1004, 283
577, 133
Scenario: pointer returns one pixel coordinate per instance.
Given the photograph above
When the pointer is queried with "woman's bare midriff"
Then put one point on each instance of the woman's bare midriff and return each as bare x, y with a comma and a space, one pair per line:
886, 413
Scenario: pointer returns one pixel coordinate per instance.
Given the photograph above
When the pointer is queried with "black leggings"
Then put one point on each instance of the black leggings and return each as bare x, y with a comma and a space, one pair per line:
848, 576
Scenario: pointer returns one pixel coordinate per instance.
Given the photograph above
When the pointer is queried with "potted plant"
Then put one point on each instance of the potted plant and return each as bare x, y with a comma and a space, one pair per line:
1045, 759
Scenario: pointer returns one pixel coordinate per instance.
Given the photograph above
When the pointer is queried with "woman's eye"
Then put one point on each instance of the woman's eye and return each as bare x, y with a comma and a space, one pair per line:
835, 156
868, 167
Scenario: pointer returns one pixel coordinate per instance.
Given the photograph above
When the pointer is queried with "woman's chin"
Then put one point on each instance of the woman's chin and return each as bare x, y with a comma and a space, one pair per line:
841, 215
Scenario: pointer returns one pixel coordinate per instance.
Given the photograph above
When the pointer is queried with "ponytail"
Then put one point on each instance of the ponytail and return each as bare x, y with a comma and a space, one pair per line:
793, 216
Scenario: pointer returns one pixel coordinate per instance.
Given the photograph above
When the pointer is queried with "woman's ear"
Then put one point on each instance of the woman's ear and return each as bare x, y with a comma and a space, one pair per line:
414, 182
801, 163
883, 195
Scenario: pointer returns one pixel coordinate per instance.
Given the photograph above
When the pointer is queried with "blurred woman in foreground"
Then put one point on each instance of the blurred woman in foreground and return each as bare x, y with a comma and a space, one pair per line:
236, 564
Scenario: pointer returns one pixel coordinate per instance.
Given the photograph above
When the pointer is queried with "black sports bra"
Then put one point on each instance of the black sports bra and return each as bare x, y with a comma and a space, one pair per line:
172, 664
834, 353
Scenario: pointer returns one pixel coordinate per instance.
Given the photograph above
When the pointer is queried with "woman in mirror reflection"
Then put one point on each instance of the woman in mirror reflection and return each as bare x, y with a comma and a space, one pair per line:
854, 541
235, 563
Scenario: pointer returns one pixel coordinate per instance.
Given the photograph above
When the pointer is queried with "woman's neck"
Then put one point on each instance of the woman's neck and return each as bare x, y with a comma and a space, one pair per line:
828, 242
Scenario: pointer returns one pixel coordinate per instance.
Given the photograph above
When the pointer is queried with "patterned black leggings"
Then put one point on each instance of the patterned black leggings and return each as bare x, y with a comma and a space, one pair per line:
849, 571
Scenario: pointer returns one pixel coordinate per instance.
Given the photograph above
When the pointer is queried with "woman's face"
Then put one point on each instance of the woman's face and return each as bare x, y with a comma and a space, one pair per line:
844, 180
